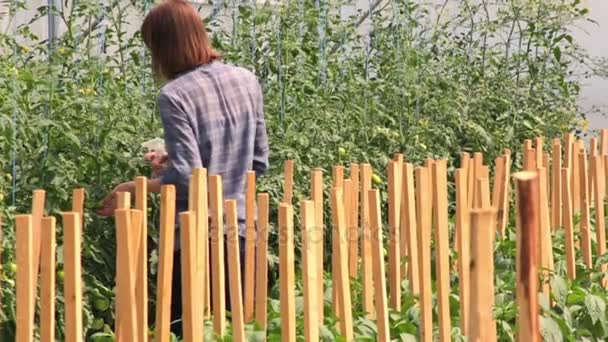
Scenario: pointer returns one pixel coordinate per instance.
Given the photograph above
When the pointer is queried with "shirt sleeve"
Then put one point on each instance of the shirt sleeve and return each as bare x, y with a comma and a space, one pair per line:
261, 149
181, 145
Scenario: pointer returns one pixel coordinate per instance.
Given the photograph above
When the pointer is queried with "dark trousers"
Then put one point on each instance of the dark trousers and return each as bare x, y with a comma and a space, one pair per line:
176, 287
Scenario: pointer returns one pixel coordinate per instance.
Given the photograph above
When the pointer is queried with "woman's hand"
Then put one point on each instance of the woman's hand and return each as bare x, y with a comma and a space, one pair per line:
108, 205
157, 163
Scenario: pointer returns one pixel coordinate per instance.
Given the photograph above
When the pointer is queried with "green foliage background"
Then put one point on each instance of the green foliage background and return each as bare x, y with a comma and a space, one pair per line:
476, 77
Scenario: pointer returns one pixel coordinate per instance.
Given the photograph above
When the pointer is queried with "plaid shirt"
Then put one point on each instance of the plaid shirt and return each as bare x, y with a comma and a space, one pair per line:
213, 117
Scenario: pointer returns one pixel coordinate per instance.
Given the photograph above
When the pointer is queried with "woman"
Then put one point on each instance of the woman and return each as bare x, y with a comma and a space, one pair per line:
212, 115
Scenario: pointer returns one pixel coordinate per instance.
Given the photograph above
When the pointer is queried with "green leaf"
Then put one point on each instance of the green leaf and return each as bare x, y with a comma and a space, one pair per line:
549, 330
557, 53
596, 307
560, 289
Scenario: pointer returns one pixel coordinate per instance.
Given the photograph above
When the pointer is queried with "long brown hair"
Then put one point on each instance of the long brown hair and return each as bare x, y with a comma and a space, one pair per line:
176, 36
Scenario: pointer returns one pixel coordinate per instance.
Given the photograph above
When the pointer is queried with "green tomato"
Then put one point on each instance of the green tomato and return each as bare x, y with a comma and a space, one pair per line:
101, 303
376, 179
342, 151
60, 275
98, 323
12, 267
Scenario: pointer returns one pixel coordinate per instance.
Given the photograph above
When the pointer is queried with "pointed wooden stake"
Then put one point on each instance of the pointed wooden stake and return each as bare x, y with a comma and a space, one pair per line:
345, 309
442, 247
527, 188
462, 226
366, 247
250, 275
556, 186
25, 272
165, 263
287, 274
378, 260
394, 205
216, 211
424, 215
568, 224
311, 302
597, 166
234, 269
288, 182
584, 204
409, 230
353, 229
482, 326
73, 277
47, 281
317, 197
261, 289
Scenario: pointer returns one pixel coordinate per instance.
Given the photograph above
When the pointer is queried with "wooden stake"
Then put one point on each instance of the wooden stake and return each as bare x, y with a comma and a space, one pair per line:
576, 177
568, 224
234, 269
539, 145
409, 231
354, 222
503, 210
604, 142
250, 247
38, 201
337, 176
483, 194
585, 216
288, 182
482, 326
527, 219
317, 197
123, 200
463, 248
471, 183
597, 166
478, 165
199, 204
351, 227
424, 253
189, 277
78, 203
530, 160
568, 151
216, 210
337, 182
261, 290
591, 185
141, 285
165, 263
345, 307
527, 145
442, 247
286, 274
47, 281
556, 187
25, 272
310, 282
73, 277
547, 167
366, 248
498, 183
394, 205
545, 250
378, 260
465, 158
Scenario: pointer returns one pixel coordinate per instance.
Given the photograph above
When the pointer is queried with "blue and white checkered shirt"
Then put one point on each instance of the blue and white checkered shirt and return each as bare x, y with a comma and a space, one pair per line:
213, 117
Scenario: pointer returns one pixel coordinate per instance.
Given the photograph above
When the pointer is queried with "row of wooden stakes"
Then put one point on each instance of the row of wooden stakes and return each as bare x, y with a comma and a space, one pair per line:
417, 213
